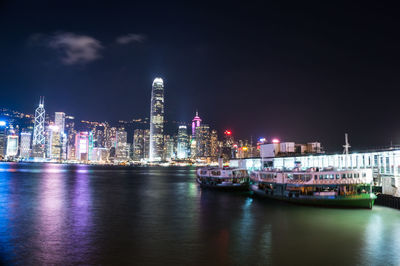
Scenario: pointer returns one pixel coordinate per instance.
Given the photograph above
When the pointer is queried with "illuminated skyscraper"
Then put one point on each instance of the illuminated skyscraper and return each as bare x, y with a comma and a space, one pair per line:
169, 148
3, 139
25, 146
146, 144
214, 145
138, 144
196, 122
111, 137
54, 143
203, 144
59, 121
12, 146
121, 149
157, 120
141, 144
38, 131
82, 146
227, 148
183, 143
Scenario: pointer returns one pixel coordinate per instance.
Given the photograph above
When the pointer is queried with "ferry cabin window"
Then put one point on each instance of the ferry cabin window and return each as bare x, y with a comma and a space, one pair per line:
343, 175
315, 177
337, 176
203, 172
364, 174
350, 175
264, 176
321, 177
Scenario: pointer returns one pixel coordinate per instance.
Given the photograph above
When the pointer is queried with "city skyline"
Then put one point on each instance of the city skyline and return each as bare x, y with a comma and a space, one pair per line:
268, 74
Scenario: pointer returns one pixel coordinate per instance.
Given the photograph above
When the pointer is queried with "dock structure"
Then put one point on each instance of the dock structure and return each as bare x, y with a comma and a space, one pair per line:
384, 162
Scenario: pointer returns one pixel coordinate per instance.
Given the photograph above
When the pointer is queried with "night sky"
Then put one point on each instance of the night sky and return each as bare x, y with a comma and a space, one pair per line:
294, 70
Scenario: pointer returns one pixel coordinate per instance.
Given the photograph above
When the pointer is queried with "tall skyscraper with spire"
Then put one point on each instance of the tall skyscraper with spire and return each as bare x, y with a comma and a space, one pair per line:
157, 120
196, 122
38, 143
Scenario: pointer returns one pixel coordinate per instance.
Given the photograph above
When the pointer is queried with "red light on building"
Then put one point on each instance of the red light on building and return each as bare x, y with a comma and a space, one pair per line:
228, 132
275, 141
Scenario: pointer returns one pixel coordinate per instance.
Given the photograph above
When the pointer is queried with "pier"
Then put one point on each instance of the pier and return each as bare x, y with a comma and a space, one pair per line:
385, 164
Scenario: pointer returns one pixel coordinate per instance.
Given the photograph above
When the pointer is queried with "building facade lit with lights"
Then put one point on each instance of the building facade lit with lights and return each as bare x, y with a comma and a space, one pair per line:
12, 146
39, 140
214, 148
82, 146
122, 147
203, 141
25, 145
196, 122
59, 121
169, 148
182, 143
3, 138
141, 144
157, 120
54, 144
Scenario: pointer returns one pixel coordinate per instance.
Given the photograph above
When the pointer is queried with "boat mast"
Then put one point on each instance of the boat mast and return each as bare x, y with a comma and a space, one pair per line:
346, 147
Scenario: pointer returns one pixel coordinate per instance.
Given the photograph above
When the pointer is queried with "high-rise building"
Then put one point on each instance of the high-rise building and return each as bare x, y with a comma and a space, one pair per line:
54, 144
227, 146
122, 148
203, 139
157, 120
25, 145
59, 121
193, 146
71, 137
100, 155
138, 144
196, 122
214, 152
182, 143
169, 148
111, 137
146, 146
12, 146
99, 137
38, 142
141, 144
3, 138
82, 146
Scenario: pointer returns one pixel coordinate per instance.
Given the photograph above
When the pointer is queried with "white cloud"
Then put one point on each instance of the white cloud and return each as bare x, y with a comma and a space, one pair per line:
76, 49
131, 37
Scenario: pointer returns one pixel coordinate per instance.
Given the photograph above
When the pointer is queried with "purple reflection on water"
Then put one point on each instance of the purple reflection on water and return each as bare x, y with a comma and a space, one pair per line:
80, 212
51, 218
64, 217
6, 246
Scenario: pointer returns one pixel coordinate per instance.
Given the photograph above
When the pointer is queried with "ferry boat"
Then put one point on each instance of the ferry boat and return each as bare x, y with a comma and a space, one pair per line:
350, 188
224, 178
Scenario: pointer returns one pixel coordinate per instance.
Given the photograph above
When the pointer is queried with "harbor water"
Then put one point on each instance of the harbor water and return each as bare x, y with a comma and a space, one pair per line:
54, 214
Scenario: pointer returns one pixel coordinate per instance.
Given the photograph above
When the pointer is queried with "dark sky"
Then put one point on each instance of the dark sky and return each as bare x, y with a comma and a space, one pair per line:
294, 70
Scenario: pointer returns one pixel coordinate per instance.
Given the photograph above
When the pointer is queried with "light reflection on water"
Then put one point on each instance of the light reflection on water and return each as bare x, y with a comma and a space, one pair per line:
51, 217
60, 215
6, 246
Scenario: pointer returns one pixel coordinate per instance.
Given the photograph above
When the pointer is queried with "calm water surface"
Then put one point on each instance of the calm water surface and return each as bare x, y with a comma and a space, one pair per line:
61, 215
